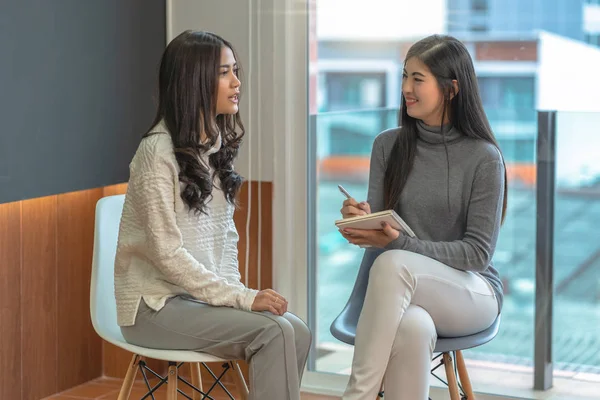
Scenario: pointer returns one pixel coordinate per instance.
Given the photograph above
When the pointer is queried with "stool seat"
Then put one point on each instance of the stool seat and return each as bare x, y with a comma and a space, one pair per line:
343, 329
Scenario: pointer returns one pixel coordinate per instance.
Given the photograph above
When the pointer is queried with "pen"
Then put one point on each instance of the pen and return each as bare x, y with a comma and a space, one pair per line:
344, 192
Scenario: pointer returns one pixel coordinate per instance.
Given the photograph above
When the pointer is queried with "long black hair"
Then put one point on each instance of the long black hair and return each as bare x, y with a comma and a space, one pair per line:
448, 59
188, 83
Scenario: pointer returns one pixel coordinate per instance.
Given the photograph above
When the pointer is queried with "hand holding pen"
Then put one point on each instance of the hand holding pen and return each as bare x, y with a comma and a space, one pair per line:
352, 208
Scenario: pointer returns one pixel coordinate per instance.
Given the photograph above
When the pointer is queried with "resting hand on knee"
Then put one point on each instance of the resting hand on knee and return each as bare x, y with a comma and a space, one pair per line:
270, 300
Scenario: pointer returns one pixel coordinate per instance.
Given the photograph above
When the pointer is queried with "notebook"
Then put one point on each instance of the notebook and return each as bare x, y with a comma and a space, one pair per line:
374, 220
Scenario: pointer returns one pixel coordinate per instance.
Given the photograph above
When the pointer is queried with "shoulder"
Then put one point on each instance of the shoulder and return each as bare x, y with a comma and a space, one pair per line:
482, 151
382, 146
386, 138
155, 151
487, 152
485, 160
156, 145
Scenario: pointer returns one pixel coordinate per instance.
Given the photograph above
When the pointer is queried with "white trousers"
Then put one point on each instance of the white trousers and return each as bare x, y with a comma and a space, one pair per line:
410, 300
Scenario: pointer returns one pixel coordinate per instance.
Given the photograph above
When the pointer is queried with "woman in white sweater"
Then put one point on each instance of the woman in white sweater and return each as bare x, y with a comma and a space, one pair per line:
177, 281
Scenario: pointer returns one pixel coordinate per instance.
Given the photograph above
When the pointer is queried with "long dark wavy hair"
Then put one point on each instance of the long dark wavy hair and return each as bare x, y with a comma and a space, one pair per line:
188, 83
448, 59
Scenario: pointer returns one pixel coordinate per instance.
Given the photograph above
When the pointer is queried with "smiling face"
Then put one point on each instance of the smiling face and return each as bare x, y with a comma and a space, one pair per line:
228, 86
423, 98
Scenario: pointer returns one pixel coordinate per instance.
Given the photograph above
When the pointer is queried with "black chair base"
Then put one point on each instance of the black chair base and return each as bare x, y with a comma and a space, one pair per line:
163, 379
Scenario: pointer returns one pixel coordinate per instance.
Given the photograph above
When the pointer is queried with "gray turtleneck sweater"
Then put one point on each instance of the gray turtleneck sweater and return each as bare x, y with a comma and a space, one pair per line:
463, 234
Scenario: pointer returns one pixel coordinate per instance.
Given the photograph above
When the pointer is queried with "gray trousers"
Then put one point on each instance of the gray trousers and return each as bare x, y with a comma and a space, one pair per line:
275, 346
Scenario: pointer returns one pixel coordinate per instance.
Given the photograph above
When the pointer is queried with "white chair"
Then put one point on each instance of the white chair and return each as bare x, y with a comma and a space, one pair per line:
104, 319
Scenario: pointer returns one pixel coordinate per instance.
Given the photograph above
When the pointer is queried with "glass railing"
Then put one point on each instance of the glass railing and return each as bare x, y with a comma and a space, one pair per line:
576, 336
349, 132
522, 114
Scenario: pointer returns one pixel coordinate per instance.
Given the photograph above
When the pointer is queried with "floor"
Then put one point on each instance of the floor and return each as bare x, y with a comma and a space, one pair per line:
108, 389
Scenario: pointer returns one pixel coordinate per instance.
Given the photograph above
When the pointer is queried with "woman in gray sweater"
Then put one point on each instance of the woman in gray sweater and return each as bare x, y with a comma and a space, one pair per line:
443, 172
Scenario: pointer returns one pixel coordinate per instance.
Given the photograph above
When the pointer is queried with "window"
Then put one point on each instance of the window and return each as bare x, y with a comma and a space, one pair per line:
593, 38
356, 106
508, 98
479, 5
576, 257
479, 28
351, 90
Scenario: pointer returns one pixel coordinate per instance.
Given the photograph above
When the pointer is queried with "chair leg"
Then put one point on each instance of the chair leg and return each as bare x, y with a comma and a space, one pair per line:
125, 391
240, 382
452, 384
172, 382
464, 376
196, 380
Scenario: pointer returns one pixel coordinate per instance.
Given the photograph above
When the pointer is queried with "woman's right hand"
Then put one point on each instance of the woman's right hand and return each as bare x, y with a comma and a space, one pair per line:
351, 208
270, 300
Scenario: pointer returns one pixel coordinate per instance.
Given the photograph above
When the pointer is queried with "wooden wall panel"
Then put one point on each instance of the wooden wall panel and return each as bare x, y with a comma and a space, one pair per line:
48, 343
76, 337
257, 198
10, 301
38, 298
114, 189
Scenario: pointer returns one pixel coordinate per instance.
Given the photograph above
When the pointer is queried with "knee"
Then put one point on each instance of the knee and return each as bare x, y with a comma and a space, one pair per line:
301, 331
273, 335
390, 265
416, 331
293, 330
281, 326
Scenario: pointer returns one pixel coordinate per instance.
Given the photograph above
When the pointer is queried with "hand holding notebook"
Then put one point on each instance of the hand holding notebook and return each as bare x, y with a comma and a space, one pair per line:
374, 220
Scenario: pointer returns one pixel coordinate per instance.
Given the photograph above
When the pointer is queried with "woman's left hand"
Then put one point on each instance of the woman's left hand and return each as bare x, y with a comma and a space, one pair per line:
371, 237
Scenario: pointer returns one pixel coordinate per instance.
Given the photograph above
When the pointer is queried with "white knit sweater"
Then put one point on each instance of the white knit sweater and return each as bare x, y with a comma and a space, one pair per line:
164, 249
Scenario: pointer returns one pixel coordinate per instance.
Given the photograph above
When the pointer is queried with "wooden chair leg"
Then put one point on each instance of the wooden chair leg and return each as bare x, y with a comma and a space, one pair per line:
240, 382
196, 380
464, 376
380, 391
172, 382
452, 384
125, 391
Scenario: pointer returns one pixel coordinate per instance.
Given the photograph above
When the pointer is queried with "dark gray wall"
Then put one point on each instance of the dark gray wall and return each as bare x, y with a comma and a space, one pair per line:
77, 91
